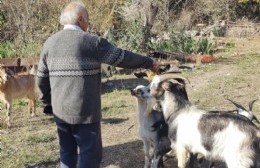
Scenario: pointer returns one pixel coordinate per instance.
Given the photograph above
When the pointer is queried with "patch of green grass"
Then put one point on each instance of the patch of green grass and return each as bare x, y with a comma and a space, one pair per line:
20, 156
30, 140
116, 103
248, 63
40, 138
229, 46
19, 104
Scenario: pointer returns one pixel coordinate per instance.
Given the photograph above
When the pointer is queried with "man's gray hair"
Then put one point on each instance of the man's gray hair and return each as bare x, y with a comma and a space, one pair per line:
71, 12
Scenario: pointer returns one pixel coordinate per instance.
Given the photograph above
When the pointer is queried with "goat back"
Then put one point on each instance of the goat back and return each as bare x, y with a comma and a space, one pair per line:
21, 86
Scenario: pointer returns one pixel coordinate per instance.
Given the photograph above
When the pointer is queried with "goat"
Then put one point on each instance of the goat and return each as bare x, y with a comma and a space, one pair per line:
17, 86
153, 129
248, 114
216, 136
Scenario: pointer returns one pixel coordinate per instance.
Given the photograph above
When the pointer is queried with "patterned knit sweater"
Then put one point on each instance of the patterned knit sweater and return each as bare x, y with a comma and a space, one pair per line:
69, 74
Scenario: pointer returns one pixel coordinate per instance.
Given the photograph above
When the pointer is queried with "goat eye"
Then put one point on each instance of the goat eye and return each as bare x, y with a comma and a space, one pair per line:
148, 90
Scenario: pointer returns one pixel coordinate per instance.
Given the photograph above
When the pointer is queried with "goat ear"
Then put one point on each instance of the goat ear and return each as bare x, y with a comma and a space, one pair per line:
251, 104
132, 92
166, 86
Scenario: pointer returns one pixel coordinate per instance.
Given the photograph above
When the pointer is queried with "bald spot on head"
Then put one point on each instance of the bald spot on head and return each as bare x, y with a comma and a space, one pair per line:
73, 12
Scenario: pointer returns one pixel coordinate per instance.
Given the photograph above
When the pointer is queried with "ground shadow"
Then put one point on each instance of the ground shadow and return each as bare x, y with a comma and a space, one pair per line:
124, 155
114, 120
50, 164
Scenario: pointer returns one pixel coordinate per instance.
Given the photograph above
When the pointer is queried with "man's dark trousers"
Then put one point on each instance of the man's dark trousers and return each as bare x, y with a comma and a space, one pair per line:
86, 138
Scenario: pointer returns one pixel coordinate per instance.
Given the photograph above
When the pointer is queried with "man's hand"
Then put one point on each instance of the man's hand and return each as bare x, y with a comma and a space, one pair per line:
48, 110
155, 67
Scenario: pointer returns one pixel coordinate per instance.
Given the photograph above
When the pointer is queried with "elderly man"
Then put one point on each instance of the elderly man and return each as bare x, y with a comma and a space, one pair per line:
69, 81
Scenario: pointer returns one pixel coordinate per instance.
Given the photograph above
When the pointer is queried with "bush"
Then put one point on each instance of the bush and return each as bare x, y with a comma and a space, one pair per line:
130, 38
11, 49
6, 50
204, 46
249, 9
162, 45
181, 42
29, 23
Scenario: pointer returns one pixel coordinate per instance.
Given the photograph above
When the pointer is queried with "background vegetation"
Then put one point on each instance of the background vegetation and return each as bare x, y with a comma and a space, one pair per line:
26, 24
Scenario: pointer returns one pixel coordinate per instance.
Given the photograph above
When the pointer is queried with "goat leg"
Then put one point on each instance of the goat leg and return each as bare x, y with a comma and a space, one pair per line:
157, 161
31, 107
8, 113
34, 107
147, 154
183, 157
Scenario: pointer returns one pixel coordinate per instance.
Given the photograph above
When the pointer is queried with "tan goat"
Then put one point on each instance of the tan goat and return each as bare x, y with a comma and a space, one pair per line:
17, 86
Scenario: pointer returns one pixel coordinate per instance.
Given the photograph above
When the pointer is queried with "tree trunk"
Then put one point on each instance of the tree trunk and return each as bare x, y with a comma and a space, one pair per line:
148, 24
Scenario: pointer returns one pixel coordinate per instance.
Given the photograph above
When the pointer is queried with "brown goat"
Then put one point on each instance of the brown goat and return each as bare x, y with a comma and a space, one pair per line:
17, 86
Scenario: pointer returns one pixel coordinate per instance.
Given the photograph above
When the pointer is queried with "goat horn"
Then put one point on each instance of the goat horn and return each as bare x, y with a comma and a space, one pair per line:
251, 104
237, 105
254, 117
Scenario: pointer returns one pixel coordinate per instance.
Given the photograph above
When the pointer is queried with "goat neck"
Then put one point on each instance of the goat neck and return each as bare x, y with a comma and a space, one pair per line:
142, 106
173, 101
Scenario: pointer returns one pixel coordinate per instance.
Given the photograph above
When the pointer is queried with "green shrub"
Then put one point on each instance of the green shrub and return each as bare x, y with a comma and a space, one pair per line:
2, 18
205, 46
6, 50
162, 45
16, 49
181, 42
130, 38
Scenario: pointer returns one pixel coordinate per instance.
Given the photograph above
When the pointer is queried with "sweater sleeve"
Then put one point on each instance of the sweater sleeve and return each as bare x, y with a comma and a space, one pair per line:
115, 56
42, 80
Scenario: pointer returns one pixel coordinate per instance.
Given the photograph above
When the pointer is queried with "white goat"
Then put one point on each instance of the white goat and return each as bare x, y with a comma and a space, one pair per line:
217, 136
17, 86
153, 130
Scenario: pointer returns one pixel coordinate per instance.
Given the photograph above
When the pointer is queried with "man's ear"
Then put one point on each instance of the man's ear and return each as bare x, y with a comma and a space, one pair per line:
80, 19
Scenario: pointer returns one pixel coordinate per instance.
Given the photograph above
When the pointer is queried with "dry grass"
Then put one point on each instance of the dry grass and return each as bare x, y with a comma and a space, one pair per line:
32, 142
